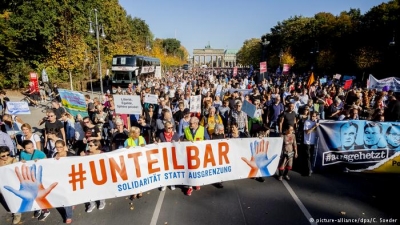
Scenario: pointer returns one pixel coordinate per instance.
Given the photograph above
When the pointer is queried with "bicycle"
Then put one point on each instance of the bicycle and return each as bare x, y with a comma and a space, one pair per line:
28, 100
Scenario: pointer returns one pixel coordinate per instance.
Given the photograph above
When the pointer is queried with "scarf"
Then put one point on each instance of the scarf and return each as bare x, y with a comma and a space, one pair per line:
168, 136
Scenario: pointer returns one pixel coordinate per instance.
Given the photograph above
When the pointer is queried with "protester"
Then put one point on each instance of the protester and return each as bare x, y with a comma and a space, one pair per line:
289, 151
30, 153
94, 149
7, 159
195, 132
169, 135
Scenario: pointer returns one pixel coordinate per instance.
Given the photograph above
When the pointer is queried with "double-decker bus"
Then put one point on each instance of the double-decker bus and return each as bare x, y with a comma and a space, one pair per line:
128, 68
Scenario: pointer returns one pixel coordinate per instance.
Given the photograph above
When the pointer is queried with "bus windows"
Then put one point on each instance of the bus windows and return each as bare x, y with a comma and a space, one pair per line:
139, 61
123, 61
121, 76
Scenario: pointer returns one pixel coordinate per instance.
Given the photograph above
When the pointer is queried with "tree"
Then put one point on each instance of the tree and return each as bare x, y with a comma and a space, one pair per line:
366, 57
249, 53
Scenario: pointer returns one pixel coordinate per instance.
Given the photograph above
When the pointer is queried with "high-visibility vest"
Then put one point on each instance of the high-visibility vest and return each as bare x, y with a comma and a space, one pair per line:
198, 136
132, 143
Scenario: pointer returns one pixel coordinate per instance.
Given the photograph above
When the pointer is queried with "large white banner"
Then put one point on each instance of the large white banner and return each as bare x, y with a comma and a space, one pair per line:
50, 183
390, 83
127, 104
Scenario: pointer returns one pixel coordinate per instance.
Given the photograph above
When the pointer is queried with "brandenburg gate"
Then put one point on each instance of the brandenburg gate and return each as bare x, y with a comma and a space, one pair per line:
218, 54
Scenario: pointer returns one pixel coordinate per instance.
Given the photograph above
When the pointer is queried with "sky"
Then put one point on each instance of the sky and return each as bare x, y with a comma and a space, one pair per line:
226, 24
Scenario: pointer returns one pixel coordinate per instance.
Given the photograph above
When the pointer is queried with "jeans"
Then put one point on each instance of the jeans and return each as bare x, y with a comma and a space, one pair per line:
94, 203
68, 212
309, 155
322, 115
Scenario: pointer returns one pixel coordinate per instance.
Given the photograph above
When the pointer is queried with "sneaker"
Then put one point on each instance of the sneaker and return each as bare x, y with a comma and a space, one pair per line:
164, 188
189, 191
197, 188
17, 218
90, 208
280, 178
172, 187
132, 197
260, 179
37, 213
102, 205
44, 215
287, 177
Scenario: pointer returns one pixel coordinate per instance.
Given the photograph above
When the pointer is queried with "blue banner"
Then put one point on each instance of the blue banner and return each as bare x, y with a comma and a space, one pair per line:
359, 145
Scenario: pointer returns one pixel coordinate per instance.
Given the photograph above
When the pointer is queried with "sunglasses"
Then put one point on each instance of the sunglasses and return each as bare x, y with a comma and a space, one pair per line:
6, 155
169, 127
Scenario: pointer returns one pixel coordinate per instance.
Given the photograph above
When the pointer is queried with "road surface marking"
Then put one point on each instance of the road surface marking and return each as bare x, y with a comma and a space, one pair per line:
157, 210
299, 203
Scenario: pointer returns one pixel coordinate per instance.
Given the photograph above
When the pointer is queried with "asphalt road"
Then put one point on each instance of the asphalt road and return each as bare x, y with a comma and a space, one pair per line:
347, 198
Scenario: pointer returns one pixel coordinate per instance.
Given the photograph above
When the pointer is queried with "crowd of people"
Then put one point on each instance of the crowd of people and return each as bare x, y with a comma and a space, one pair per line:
288, 106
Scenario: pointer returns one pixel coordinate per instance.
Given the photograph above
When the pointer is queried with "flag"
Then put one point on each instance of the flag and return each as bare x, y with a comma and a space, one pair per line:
251, 70
45, 78
347, 84
278, 70
311, 80
337, 76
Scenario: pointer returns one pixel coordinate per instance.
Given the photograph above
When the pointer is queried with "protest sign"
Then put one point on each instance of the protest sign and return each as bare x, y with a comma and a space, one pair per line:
152, 99
74, 102
195, 103
158, 72
18, 108
249, 109
127, 104
263, 67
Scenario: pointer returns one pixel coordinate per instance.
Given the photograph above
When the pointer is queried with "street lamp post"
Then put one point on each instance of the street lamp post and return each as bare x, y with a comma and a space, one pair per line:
314, 51
103, 35
264, 43
148, 46
392, 43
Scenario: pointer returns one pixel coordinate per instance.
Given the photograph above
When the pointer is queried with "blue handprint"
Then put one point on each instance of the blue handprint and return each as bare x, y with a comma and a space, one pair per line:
259, 158
31, 188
